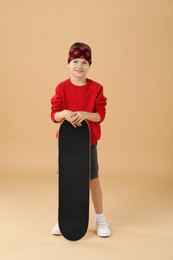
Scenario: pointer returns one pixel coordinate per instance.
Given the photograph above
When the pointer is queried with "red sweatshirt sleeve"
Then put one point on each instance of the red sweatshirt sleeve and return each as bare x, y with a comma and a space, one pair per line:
56, 103
101, 103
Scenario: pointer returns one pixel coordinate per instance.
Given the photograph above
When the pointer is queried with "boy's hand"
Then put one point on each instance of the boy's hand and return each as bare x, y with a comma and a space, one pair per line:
78, 117
67, 116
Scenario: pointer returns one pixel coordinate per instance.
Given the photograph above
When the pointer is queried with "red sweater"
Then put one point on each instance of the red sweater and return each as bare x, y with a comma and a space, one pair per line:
87, 98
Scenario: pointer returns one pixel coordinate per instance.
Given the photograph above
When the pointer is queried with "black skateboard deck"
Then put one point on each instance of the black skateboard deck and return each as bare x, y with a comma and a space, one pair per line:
74, 176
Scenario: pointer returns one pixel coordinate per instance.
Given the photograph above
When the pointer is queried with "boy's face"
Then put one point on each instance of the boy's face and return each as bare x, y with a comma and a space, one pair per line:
79, 68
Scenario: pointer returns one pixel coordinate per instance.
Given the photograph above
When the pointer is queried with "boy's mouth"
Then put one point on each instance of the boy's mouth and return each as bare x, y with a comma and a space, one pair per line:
79, 71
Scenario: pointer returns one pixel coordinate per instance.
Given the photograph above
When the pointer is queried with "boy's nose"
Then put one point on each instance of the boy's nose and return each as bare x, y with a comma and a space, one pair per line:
79, 65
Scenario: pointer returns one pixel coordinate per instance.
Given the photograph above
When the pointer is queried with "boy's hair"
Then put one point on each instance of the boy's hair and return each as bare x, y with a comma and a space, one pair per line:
80, 50
81, 45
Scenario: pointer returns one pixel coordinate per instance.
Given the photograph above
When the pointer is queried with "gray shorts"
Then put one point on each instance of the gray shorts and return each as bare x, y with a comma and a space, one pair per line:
94, 162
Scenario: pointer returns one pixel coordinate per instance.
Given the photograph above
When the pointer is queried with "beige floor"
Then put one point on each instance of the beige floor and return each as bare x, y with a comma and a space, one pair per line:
139, 210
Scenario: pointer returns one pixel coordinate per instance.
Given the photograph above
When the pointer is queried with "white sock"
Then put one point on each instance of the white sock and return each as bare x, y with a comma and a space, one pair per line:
99, 217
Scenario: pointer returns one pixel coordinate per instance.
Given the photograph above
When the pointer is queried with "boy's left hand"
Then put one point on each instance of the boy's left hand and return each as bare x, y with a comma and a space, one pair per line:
78, 117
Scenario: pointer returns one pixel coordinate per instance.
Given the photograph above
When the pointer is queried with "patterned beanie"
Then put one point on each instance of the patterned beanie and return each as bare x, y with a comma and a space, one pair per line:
80, 53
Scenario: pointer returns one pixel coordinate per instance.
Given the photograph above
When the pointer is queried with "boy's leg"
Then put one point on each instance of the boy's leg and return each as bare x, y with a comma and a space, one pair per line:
96, 191
96, 194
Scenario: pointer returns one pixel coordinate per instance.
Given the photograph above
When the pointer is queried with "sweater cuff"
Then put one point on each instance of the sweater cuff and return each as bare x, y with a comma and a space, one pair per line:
102, 116
52, 117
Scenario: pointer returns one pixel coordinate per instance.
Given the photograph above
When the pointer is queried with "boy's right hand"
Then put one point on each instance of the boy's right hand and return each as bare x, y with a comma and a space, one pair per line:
67, 116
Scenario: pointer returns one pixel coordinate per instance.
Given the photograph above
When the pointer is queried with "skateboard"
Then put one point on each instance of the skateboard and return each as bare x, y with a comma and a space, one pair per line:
73, 179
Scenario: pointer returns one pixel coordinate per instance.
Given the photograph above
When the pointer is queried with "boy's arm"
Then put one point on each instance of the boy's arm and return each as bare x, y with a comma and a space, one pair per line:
60, 115
76, 118
64, 114
79, 116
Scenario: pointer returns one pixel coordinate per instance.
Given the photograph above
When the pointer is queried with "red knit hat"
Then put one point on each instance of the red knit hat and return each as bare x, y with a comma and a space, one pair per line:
80, 53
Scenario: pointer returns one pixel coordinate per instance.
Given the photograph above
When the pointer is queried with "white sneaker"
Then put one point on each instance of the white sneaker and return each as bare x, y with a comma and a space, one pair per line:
55, 230
102, 228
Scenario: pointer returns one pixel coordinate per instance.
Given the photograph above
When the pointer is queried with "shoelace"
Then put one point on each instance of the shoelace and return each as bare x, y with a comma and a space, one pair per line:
102, 223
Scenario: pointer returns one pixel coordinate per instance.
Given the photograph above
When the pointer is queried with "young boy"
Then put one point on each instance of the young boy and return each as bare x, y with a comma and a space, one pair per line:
77, 99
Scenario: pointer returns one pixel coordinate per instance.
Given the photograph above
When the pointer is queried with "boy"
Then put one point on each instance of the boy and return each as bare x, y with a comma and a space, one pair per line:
77, 99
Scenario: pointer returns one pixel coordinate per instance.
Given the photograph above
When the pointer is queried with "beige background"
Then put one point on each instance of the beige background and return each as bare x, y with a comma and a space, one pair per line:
132, 57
